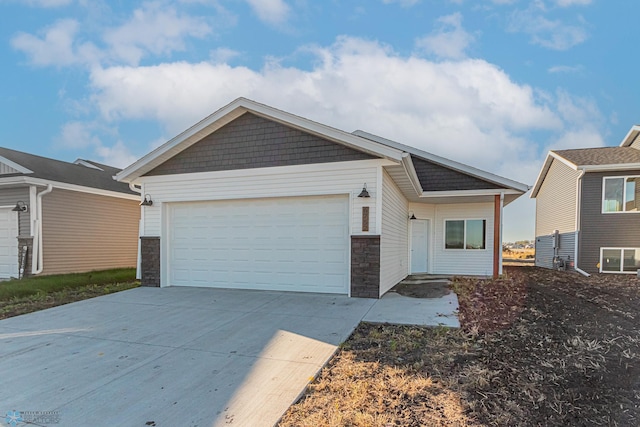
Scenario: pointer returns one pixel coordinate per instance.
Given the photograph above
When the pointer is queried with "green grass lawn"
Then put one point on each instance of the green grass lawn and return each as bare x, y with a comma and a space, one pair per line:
37, 293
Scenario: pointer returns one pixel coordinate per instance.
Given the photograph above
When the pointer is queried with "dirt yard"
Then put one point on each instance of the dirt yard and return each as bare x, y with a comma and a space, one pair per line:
536, 348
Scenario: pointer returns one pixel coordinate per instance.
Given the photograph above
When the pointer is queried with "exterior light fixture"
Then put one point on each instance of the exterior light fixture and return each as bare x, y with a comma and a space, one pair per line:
20, 207
364, 192
412, 215
147, 201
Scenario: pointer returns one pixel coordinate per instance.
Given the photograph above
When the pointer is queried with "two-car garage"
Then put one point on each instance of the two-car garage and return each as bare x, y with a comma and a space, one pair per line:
285, 243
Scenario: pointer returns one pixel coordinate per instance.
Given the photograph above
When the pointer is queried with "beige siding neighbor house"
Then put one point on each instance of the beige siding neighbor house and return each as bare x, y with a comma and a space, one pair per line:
253, 197
60, 217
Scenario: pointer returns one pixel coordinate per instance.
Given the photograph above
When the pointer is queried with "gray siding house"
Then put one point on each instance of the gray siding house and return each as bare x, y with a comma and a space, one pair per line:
61, 217
588, 208
253, 197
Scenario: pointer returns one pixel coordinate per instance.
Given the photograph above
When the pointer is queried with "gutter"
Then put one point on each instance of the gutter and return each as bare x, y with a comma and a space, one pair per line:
577, 227
37, 261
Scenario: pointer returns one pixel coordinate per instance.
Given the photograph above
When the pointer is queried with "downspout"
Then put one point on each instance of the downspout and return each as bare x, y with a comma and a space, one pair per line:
501, 226
37, 239
577, 227
138, 190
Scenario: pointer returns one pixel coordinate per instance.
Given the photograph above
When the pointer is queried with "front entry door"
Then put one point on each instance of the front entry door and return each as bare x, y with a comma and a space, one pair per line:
419, 245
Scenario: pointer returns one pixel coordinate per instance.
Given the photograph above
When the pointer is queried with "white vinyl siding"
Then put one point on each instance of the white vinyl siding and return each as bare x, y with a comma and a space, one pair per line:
393, 240
556, 200
472, 262
636, 143
324, 179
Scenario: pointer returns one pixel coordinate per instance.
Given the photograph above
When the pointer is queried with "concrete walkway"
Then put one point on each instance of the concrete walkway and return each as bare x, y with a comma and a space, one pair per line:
181, 356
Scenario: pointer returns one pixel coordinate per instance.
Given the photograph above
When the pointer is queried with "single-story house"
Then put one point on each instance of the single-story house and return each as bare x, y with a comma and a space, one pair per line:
587, 208
257, 198
60, 217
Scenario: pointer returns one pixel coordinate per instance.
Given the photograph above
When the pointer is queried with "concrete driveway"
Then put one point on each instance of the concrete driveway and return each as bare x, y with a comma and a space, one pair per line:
171, 356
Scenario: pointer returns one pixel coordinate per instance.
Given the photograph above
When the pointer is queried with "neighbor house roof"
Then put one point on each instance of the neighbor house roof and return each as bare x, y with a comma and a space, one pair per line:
623, 157
29, 168
362, 141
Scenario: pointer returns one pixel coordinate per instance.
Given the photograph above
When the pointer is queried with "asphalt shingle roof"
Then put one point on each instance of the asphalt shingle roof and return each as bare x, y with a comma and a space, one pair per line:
69, 173
600, 156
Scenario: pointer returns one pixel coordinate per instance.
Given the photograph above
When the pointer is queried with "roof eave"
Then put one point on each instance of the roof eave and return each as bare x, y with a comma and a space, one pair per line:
631, 136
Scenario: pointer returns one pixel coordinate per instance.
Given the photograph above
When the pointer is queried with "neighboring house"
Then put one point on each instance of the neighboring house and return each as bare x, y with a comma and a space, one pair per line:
60, 217
253, 197
588, 208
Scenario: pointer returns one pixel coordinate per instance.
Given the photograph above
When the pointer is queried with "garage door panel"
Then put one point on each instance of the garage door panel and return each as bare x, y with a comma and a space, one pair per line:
296, 243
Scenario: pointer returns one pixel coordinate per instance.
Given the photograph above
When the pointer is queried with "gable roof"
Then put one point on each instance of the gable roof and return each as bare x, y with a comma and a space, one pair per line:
631, 136
231, 112
623, 157
361, 141
42, 170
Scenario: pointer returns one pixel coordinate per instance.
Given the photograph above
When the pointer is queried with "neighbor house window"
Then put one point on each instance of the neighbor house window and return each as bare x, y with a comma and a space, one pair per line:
621, 194
465, 234
619, 260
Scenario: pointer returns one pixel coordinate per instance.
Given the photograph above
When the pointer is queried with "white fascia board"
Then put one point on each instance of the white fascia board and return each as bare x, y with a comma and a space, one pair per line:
606, 168
276, 170
14, 165
545, 168
631, 136
234, 110
65, 186
87, 164
458, 193
411, 173
452, 164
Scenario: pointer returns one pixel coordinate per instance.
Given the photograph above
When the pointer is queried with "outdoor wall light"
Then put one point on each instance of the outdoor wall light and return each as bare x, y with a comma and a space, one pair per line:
20, 207
364, 192
412, 215
147, 201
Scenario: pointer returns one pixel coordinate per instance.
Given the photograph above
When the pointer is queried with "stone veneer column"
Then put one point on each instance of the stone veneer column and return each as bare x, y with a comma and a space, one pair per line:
365, 266
150, 261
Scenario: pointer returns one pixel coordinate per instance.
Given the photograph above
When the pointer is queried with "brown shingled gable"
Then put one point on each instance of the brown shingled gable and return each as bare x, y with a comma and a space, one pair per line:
600, 156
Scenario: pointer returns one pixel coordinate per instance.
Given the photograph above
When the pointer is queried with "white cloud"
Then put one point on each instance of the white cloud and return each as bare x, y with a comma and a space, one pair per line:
118, 155
223, 54
552, 34
55, 47
567, 3
468, 110
403, 3
449, 41
154, 28
273, 12
557, 69
47, 3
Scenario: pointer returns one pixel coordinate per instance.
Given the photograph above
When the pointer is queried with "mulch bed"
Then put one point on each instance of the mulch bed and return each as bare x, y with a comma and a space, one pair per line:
536, 348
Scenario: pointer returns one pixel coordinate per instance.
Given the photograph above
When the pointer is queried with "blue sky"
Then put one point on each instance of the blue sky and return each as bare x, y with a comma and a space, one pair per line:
491, 83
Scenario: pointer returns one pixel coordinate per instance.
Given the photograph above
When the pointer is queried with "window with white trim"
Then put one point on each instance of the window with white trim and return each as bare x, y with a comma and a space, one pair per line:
465, 233
621, 194
619, 260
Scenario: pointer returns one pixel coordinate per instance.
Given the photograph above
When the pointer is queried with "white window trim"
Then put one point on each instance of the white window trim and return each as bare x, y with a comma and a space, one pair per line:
624, 195
464, 243
621, 261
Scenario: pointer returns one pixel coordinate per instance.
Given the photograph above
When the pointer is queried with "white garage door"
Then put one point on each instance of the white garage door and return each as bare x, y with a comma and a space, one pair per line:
291, 244
8, 243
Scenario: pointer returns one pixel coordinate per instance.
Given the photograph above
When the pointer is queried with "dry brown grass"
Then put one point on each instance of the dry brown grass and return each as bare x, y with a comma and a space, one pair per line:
536, 347
519, 254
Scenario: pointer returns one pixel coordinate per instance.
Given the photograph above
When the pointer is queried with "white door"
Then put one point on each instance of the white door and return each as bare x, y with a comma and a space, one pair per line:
8, 243
290, 243
419, 245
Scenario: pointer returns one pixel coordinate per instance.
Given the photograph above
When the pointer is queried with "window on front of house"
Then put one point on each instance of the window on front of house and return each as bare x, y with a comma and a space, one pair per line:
620, 260
621, 194
465, 234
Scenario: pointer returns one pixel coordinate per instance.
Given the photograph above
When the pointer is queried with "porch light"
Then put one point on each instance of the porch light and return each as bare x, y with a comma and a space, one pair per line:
20, 207
412, 215
147, 201
364, 192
